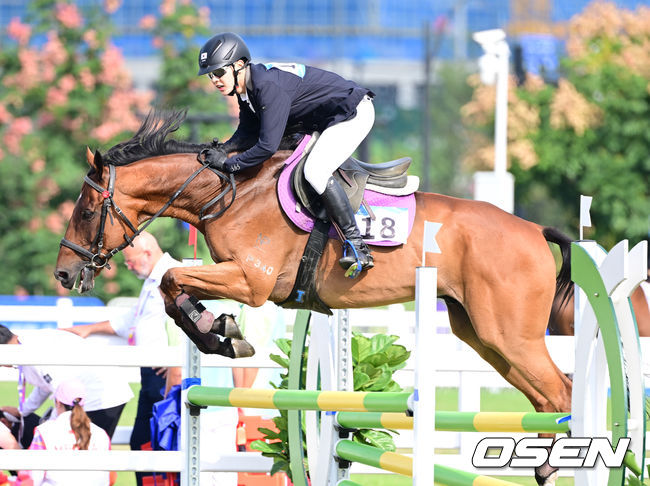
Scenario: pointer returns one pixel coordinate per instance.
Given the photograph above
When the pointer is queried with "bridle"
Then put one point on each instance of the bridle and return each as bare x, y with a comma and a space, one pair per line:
96, 258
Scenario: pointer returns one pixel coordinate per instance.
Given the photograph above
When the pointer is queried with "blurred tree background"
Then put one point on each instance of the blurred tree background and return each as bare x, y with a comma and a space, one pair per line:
588, 134
64, 86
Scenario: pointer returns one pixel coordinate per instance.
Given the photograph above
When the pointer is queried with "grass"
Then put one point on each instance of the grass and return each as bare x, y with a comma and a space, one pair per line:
446, 399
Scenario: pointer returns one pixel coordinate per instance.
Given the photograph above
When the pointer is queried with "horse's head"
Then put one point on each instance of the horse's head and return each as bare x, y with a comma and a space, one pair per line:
93, 236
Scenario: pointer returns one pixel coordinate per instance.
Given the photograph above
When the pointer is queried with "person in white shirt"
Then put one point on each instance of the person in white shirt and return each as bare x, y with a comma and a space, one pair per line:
107, 392
143, 325
71, 430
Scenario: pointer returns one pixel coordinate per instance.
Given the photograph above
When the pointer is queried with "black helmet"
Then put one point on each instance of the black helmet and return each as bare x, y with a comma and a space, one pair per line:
222, 50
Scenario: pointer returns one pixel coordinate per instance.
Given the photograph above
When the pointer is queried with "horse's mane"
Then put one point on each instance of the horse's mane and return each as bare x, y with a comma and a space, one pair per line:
149, 140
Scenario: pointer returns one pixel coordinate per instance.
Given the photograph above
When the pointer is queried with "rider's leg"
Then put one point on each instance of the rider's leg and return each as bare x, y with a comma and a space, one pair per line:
332, 148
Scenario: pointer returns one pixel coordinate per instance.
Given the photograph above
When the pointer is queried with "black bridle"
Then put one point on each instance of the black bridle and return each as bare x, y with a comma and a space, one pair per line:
96, 258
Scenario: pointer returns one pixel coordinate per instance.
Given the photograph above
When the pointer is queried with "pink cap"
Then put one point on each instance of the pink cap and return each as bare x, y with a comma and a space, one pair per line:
69, 391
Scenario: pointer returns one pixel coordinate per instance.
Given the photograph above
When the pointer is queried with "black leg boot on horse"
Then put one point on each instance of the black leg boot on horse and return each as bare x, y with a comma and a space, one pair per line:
356, 254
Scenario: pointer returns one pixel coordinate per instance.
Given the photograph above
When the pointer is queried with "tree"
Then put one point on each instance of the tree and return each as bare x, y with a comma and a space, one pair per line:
64, 86
590, 134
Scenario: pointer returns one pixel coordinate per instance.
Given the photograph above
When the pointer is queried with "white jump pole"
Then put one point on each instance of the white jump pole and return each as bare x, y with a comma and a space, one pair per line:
424, 393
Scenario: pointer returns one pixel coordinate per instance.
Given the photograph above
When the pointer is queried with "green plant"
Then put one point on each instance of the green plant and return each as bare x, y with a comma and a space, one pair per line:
374, 361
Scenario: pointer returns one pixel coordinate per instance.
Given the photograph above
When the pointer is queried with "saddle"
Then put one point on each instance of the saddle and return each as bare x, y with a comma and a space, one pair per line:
355, 177
382, 193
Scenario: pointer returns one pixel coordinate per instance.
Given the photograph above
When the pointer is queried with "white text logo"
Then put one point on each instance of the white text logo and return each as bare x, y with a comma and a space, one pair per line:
534, 451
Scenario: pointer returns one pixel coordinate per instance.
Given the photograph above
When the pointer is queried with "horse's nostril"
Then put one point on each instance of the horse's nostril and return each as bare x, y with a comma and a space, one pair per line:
61, 275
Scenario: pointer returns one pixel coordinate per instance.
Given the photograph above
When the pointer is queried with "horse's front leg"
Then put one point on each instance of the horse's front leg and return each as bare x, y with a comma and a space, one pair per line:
183, 286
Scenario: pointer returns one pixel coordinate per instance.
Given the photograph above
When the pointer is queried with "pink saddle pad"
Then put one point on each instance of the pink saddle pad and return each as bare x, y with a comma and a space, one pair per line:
394, 214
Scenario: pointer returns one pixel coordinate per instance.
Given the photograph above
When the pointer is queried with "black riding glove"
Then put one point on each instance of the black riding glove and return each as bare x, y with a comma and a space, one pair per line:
214, 157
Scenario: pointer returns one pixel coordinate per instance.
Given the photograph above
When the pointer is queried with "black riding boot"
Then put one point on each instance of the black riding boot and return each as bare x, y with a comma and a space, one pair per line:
339, 211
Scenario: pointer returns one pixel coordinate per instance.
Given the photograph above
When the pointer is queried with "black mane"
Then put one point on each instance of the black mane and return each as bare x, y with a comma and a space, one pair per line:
149, 140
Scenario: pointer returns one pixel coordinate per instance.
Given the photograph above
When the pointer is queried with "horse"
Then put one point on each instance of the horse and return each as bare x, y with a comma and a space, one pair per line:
496, 271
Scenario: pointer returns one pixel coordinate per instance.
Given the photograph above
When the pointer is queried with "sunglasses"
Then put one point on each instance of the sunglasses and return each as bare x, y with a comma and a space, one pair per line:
217, 73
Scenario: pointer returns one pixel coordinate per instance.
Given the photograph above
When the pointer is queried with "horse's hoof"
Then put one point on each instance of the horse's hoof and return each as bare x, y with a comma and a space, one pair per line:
545, 480
195, 312
226, 326
242, 348
550, 481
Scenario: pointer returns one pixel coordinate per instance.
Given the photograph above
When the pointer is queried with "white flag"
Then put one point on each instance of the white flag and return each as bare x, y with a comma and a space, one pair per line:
429, 243
585, 204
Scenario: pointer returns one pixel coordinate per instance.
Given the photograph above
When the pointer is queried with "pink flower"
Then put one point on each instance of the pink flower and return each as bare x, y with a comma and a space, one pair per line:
37, 166
148, 22
15, 133
112, 5
112, 66
18, 31
168, 7
5, 116
68, 14
204, 16
87, 79
28, 76
65, 209
48, 73
55, 97
67, 83
90, 38
54, 223
157, 42
54, 52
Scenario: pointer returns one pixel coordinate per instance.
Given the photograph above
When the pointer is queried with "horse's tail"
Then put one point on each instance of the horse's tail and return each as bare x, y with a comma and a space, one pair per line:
563, 289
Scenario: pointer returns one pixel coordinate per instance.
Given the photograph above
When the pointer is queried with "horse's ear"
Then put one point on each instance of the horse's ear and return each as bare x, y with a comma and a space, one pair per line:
95, 161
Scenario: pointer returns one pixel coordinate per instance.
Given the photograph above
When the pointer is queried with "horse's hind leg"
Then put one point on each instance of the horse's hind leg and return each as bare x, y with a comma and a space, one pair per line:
462, 327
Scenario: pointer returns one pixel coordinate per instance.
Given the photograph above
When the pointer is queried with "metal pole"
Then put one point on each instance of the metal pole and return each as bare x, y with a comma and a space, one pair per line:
426, 112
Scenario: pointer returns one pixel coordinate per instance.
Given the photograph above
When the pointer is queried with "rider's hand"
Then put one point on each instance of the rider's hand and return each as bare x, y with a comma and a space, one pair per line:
214, 157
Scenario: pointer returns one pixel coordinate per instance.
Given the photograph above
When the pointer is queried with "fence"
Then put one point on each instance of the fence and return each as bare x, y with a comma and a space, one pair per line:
461, 368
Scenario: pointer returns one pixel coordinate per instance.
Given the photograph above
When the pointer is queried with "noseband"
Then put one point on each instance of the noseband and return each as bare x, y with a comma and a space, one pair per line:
96, 258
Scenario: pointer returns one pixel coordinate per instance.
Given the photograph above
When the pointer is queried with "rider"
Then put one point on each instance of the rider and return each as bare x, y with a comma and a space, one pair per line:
276, 95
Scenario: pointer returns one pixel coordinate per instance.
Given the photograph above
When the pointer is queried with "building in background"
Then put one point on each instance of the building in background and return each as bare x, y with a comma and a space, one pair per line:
379, 43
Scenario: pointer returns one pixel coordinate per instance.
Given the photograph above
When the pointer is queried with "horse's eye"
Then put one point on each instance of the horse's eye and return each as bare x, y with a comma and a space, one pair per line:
87, 214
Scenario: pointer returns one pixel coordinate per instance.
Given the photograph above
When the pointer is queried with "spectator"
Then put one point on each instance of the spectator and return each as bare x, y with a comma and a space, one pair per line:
106, 394
143, 325
71, 430
7, 440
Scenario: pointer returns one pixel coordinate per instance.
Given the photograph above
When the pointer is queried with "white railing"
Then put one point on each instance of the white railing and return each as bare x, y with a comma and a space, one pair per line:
461, 367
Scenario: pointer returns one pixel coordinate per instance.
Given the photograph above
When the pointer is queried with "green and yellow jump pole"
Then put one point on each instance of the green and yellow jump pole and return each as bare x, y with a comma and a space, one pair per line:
331, 401
400, 464
462, 421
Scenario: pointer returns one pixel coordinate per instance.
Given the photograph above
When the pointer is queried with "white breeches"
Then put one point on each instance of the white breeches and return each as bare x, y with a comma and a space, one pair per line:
336, 144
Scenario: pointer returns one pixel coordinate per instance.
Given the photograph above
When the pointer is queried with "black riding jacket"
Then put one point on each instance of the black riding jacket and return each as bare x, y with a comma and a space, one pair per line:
301, 98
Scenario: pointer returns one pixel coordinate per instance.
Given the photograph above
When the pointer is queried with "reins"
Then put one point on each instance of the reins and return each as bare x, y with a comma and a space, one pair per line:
98, 260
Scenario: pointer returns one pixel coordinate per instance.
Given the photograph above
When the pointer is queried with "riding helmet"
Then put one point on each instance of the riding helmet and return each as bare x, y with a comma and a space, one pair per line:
222, 50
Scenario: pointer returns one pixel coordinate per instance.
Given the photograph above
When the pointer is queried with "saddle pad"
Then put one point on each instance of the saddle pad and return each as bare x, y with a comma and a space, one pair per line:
394, 215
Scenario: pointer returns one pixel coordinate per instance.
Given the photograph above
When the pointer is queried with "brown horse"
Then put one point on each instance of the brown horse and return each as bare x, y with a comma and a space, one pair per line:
496, 271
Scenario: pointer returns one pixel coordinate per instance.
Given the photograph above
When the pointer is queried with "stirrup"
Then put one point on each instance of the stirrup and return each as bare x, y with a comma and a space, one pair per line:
357, 266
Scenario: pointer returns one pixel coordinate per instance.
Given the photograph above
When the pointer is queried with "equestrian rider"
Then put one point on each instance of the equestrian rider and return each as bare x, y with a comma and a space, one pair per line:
275, 96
